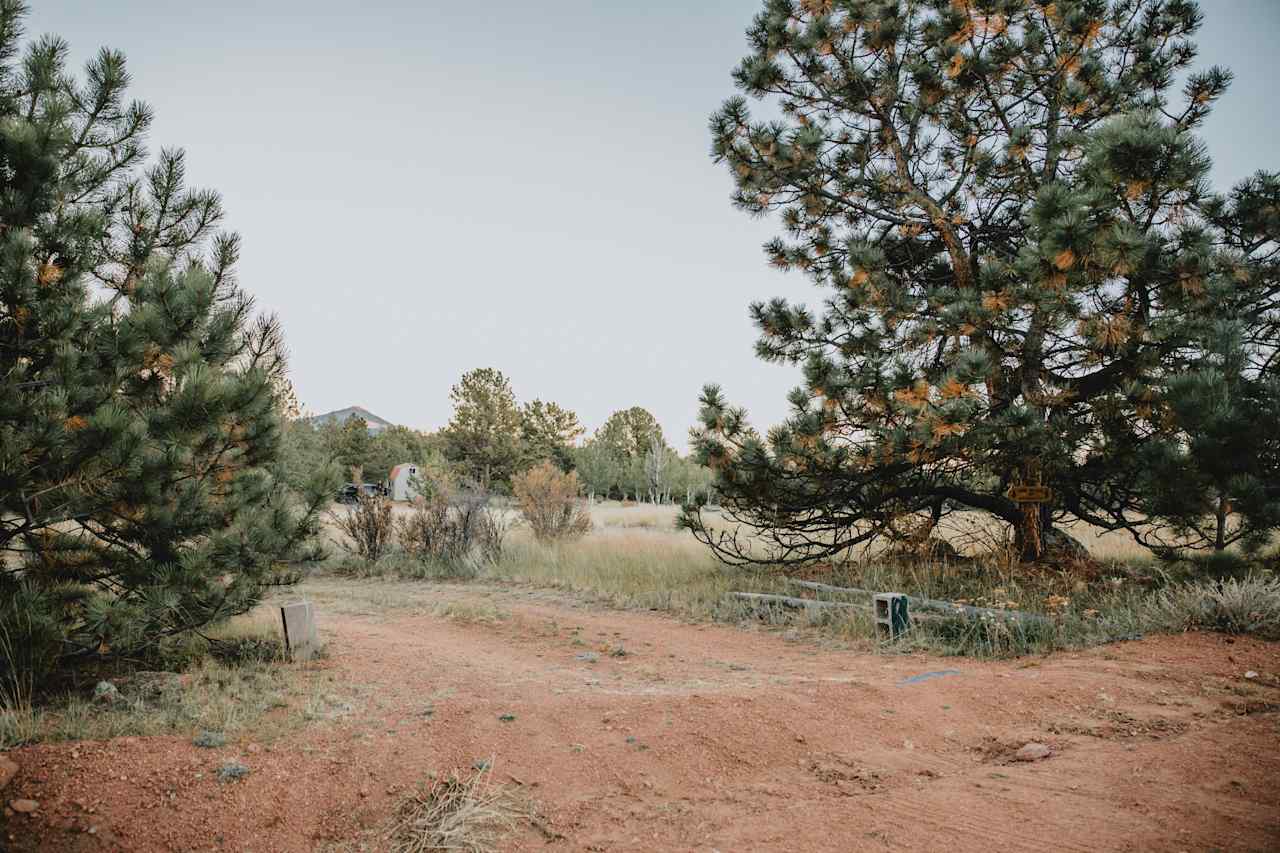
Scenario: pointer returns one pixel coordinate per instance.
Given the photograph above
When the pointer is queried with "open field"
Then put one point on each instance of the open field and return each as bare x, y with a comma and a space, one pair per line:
633, 731
616, 700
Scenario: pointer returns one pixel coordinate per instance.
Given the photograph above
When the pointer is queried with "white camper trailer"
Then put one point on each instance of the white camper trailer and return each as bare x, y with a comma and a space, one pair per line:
400, 483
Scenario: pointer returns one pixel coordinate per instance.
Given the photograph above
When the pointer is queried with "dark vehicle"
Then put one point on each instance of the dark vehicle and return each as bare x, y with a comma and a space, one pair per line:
350, 492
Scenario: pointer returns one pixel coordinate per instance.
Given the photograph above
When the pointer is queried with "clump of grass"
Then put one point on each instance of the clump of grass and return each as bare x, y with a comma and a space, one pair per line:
399, 565
1249, 605
212, 697
988, 636
231, 771
210, 740
254, 638
457, 813
470, 611
18, 724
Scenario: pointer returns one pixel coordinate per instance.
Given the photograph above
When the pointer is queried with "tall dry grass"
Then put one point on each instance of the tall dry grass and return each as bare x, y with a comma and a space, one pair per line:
635, 557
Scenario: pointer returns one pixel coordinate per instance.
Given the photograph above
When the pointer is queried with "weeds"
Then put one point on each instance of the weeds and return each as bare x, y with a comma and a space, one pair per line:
1250, 605
232, 681
492, 530
458, 813
18, 723
636, 560
447, 535
210, 740
366, 528
468, 611
232, 771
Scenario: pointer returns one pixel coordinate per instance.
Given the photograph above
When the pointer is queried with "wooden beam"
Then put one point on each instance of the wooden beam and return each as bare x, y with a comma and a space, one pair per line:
933, 604
797, 603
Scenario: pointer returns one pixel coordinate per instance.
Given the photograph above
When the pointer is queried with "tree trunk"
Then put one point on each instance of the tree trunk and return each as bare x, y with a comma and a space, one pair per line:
1029, 536
1220, 539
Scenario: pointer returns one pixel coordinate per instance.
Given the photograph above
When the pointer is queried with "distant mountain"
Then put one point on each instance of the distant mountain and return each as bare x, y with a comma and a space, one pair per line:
376, 424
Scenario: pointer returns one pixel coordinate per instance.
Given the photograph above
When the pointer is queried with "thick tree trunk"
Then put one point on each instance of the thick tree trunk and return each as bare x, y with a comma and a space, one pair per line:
1029, 532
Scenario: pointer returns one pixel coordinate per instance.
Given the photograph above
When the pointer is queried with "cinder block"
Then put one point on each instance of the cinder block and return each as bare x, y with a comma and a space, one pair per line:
892, 618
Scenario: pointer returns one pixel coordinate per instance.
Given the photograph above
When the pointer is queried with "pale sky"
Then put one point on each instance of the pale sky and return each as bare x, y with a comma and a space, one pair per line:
423, 188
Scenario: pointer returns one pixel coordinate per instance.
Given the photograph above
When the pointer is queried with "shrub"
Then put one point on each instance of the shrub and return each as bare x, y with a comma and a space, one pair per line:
549, 502
367, 526
1248, 605
430, 533
491, 535
448, 527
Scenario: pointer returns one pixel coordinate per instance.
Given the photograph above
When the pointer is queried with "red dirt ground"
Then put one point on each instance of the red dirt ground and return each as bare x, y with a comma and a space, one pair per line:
708, 737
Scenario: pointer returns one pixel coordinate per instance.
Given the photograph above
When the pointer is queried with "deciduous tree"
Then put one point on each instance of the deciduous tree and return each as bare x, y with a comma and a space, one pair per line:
628, 432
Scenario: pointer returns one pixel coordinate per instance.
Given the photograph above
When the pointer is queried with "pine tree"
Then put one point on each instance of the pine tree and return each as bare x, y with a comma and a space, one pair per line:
141, 493
351, 444
1008, 211
1212, 477
548, 432
483, 436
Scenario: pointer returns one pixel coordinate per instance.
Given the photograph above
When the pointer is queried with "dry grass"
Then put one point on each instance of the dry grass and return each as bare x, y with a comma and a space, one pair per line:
1235, 606
238, 683
626, 567
474, 612
18, 721
616, 514
457, 813
635, 558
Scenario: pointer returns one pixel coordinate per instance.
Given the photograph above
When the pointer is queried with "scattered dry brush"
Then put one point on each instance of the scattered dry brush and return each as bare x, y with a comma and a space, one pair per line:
457, 813
451, 525
549, 502
367, 527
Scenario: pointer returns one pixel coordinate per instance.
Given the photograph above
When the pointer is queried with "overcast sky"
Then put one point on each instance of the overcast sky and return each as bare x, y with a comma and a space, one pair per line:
426, 187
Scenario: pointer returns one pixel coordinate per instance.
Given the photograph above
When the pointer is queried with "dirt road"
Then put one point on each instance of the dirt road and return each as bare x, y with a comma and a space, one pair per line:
632, 731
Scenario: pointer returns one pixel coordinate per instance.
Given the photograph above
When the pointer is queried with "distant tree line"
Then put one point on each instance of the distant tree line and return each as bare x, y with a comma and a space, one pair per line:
628, 458
492, 437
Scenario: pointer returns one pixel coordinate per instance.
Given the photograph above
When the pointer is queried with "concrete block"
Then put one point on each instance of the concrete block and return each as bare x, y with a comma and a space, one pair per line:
300, 637
892, 618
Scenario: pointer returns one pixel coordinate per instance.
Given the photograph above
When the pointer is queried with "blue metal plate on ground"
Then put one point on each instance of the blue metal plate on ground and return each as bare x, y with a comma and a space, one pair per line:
925, 676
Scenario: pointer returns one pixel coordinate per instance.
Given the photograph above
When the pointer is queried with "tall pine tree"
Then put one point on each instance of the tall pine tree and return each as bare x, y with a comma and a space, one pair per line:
140, 393
549, 432
1007, 208
483, 436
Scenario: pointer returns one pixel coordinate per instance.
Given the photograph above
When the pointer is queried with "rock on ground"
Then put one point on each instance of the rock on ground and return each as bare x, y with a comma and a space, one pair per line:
8, 769
1033, 752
